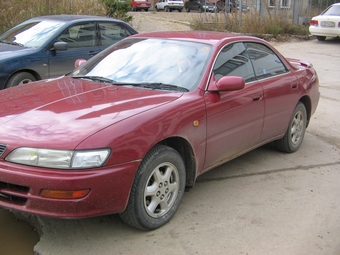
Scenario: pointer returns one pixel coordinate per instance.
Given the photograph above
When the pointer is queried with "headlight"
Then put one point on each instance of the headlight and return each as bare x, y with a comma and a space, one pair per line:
64, 159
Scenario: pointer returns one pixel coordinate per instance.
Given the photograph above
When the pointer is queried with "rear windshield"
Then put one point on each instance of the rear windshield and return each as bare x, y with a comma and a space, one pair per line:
333, 10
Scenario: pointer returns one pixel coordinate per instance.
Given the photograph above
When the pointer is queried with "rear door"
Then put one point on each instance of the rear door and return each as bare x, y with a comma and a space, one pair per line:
234, 118
281, 90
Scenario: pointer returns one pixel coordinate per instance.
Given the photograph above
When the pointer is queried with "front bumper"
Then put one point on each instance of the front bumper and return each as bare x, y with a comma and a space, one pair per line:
20, 188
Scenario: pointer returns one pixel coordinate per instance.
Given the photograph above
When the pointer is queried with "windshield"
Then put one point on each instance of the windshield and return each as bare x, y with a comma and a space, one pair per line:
334, 10
139, 61
31, 34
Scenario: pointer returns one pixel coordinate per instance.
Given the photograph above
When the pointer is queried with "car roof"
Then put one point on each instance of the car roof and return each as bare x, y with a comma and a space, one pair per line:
66, 18
209, 37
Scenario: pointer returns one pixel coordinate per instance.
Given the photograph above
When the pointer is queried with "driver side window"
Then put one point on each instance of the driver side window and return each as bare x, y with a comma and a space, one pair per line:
78, 36
233, 60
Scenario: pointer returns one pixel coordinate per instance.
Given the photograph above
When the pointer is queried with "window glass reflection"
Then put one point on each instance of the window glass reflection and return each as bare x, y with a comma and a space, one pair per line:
233, 60
151, 61
32, 34
266, 63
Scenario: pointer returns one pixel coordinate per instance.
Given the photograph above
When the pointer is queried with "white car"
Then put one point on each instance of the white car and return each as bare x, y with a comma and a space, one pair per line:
170, 5
327, 24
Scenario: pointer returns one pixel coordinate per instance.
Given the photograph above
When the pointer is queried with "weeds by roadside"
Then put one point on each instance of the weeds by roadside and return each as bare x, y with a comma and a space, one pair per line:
251, 23
13, 12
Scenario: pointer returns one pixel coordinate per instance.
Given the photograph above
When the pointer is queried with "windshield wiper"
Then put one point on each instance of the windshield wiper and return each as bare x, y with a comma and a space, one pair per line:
154, 85
12, 43
95, 78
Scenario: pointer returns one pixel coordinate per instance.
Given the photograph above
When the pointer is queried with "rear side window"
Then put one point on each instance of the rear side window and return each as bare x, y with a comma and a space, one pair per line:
265, 62
111, 33
233, 60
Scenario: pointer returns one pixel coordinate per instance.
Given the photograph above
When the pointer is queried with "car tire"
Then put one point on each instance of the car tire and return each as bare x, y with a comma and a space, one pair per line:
179, 10
187, 9
157, 190
20, 79
321, 38
166, 9
200, 10
157, 10
295, 132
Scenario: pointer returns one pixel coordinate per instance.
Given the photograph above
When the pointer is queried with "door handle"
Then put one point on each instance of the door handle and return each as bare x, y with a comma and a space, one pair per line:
92, 53
294, 85
257, 98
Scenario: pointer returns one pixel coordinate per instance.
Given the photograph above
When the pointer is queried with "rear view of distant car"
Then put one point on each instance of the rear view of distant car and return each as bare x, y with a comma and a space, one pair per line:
170, 5
327, 24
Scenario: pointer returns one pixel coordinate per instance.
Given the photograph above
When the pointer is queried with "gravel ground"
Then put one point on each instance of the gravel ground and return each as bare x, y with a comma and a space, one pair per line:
162, 21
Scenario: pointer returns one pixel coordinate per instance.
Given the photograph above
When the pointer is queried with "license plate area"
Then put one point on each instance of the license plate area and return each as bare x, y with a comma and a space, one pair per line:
327, 24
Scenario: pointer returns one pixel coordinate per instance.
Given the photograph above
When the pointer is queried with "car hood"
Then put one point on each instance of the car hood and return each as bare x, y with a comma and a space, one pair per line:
9, 51
63, 112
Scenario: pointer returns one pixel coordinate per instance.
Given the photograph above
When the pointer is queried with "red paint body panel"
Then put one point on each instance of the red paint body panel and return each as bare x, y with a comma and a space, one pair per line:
74, 114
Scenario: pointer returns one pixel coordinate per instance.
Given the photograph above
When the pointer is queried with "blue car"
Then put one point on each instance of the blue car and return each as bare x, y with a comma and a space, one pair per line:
47, 47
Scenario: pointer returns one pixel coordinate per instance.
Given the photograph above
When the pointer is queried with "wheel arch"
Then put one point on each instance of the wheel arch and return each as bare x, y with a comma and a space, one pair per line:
34, 73
184, 148
308, 105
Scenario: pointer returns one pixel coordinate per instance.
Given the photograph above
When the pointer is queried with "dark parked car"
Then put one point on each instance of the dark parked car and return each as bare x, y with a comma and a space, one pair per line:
132, 128
200, 6
46, 47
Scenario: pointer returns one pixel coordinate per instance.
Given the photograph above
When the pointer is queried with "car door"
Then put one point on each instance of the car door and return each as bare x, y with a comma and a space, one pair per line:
280, 89
192, 5
161, 4
234, 118
82, 43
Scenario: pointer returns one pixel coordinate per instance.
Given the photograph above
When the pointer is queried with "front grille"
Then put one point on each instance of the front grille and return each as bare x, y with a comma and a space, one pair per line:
14, 194
2, 149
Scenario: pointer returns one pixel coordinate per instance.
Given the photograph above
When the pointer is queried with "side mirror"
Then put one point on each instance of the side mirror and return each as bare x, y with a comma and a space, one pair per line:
79, 62
61, 46
227, 83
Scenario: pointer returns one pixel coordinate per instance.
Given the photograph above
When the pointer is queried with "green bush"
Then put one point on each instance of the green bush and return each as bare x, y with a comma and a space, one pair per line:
118, 10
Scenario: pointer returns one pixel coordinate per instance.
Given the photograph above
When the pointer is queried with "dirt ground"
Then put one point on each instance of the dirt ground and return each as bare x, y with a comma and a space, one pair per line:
264, 202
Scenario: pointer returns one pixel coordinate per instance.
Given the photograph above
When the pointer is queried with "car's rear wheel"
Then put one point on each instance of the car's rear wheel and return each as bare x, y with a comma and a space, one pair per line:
321, 38
295, 132
200, 10
20, 79
166, 9
187, 9
157, 190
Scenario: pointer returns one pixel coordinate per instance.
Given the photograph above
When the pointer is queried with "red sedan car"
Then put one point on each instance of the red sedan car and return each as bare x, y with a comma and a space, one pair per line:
131, 129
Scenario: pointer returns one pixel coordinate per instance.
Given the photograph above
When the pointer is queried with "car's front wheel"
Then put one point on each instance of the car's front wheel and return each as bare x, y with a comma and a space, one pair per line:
157, 190
187, 9
295, 132
20, 79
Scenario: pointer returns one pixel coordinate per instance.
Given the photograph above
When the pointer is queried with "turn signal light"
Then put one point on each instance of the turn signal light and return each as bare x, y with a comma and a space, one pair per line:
64, 194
